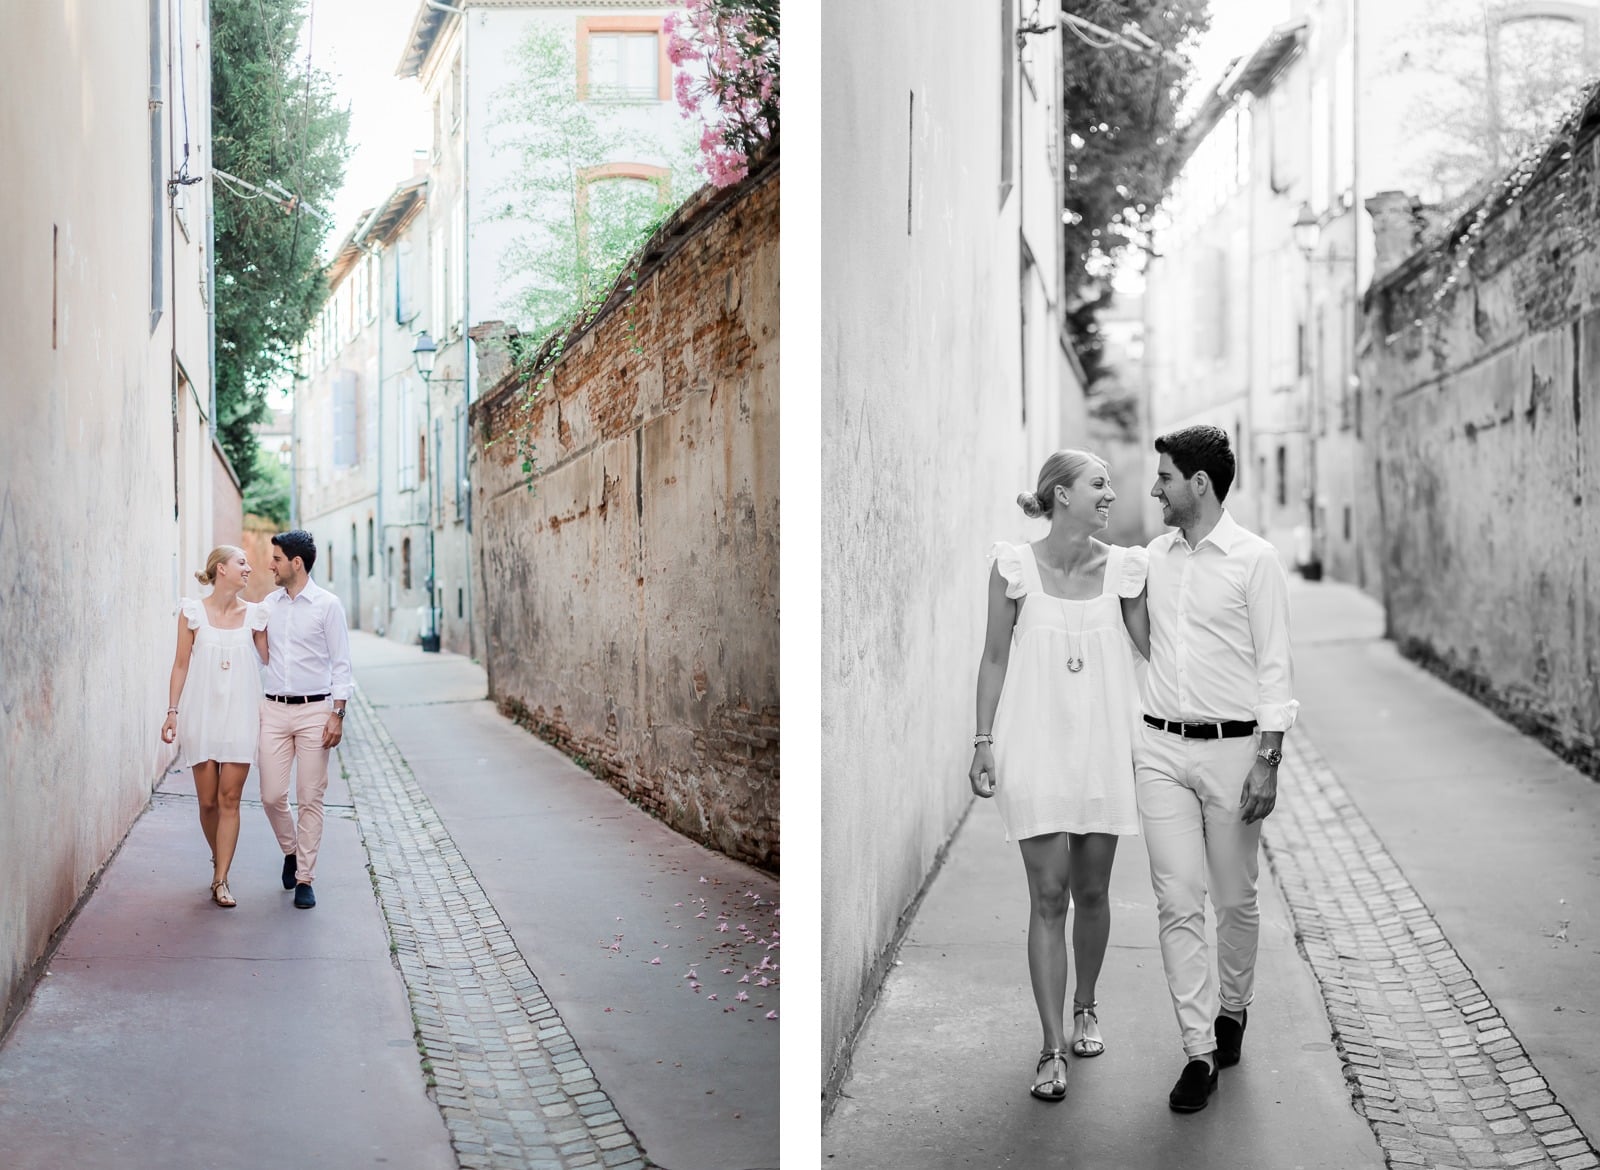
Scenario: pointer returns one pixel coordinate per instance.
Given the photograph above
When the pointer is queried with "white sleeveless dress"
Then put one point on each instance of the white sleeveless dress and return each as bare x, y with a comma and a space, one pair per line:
1064, 739
219, 714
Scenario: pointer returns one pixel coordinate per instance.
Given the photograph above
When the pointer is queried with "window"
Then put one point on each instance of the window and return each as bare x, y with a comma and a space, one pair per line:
1283, 476
457, 280
615, 203
158, 173
344, 419
422, 456
370, 535
623, 59
457, 109
405, 563
462, 492
1008, 93
1347, 522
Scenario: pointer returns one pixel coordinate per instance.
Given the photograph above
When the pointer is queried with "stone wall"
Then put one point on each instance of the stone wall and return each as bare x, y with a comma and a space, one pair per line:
631, 596
1486, 453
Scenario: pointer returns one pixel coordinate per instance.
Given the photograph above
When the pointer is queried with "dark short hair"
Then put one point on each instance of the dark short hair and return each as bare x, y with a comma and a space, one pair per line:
1201, 448
298, 543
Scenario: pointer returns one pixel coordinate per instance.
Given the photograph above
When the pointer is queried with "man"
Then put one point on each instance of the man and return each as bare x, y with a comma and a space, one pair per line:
1217, 703
307, 683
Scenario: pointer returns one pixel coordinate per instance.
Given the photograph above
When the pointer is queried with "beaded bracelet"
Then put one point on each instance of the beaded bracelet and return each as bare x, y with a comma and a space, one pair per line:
983, 737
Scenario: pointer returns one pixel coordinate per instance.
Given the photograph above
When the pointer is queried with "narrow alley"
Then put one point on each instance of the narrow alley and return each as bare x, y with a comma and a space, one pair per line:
1425, 998
509, 966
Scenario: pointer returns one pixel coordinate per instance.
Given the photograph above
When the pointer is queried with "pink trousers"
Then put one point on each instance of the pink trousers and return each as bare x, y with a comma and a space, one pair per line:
292, 735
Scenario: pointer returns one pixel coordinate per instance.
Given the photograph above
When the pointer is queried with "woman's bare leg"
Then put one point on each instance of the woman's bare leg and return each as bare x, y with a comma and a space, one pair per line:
205, 789
1092, 857
1047, 860
230, 788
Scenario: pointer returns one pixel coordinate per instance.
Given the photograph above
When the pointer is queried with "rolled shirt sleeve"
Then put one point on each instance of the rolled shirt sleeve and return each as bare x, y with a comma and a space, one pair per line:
1267, 589
338, 635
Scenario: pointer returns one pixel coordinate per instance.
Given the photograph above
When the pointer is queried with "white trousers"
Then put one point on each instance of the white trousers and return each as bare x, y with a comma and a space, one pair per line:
1188, 792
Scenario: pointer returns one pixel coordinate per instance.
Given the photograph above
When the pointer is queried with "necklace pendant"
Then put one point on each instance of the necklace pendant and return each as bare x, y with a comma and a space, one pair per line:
1074, 664
228, 662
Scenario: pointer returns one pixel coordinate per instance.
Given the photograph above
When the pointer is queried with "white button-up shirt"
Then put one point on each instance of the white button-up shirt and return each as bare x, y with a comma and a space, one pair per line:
308, 644
1219, 630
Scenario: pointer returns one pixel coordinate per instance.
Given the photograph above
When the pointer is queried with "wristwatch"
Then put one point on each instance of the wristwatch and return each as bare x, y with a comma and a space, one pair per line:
339, 711
1272, 756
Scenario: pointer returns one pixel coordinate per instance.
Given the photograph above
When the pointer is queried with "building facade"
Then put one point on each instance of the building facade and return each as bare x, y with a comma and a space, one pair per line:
106, 451
947, 378
365, 466
1228, 323
1253, 304
474, 64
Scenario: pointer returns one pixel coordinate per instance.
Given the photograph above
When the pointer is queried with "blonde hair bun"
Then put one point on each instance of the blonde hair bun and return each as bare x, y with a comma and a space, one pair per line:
223, 552
1029, 503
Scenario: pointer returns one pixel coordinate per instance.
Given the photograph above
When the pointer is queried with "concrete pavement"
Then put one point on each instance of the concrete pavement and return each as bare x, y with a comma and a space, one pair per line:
480, 898
1426, 997
169, 1033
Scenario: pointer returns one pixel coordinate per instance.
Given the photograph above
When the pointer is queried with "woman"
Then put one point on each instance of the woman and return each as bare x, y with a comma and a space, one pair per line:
1057, 697
215, 701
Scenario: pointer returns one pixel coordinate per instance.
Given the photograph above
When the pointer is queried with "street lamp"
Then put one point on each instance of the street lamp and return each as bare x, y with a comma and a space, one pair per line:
422, 354
1307, 230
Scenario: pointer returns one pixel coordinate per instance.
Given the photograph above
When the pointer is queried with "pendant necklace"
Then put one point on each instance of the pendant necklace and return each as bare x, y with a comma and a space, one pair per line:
1075, 664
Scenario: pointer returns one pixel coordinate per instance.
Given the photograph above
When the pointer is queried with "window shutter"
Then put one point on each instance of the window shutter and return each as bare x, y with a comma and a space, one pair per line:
344, 418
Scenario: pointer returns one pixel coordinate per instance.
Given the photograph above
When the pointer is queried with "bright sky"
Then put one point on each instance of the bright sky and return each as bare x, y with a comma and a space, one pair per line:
358, 43
1237, 27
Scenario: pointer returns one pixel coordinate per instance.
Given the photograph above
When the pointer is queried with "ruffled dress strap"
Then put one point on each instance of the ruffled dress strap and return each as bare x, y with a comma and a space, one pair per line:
255, 615
1008, 558
190, 607
1133, 570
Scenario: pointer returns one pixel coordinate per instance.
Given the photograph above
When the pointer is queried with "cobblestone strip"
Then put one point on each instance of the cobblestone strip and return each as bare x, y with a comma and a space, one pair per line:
1432, 1065
510, 1081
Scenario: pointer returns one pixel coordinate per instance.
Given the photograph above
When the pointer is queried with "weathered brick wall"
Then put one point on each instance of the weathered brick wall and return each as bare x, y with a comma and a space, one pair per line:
1485, 453
631, 597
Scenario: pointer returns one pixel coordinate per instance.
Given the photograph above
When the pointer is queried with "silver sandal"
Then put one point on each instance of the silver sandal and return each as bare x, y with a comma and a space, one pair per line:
1051, 1087
1082, 1043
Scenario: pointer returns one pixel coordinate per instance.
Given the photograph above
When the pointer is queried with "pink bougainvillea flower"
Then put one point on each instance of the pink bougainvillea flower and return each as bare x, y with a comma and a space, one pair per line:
656, 962
772, 1015
742, 996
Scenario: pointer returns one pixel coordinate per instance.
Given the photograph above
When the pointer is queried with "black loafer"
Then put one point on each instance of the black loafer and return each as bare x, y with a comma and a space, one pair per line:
1198, 1081
304, 899
289, 865
1230, 1039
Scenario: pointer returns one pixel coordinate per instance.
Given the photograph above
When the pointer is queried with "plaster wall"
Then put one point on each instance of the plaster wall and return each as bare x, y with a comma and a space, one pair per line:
1485, 453
925, 443
101, 519
631, 596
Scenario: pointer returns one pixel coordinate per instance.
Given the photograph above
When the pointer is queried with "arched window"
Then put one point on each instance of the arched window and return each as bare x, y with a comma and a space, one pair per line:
616, 202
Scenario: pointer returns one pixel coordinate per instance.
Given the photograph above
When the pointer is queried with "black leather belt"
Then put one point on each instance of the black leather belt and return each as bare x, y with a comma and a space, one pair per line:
1232, 729
292, 700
